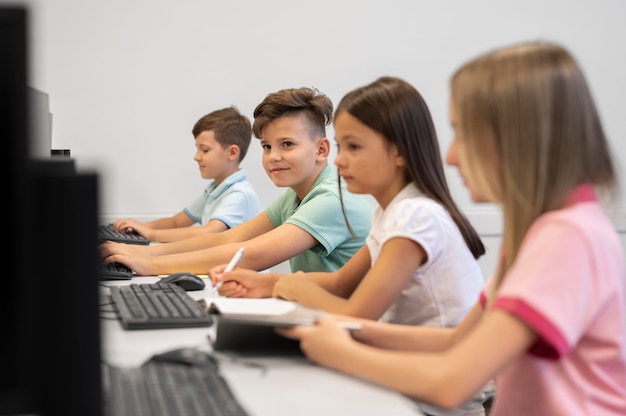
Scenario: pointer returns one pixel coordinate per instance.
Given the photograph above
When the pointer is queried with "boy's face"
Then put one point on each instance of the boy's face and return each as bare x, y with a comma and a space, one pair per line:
213, 160
291, 157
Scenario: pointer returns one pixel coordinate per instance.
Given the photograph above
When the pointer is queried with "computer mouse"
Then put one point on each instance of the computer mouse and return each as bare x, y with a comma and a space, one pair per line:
188, 356
186, 280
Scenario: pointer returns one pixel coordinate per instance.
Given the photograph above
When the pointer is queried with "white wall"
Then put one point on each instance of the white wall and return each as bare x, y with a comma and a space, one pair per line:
127, 79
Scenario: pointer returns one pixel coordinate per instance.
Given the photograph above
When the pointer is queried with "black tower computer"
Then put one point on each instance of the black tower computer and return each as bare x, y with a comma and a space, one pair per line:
50, 347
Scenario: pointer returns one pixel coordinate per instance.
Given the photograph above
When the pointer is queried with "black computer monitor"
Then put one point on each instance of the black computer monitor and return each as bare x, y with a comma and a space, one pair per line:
50, 342
13, 122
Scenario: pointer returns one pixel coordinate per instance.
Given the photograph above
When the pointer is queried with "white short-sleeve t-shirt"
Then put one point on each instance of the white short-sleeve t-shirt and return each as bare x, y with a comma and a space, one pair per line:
448, 284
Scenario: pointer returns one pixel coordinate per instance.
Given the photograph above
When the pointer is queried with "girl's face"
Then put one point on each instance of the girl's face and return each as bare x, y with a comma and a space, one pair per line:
457, 156
366, 161
212, 158
292, 158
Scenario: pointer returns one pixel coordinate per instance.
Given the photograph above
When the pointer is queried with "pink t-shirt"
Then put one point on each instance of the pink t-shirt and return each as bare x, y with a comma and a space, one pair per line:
569, 284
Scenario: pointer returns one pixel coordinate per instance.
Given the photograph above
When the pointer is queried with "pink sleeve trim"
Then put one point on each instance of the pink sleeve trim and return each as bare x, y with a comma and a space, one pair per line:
551, 343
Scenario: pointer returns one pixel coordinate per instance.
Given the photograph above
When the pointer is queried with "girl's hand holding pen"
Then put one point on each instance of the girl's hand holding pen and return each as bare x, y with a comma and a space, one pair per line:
216, 273
241, 283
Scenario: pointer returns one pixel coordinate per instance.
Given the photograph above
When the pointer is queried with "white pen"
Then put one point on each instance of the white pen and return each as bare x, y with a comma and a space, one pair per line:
231, 265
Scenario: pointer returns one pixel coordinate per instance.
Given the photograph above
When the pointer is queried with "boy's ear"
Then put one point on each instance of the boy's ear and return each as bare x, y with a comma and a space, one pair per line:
233, 152
323, 148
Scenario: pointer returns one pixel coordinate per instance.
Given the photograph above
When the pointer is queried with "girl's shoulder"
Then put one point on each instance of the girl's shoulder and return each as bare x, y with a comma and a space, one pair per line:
415, 214
587, 219
412, 202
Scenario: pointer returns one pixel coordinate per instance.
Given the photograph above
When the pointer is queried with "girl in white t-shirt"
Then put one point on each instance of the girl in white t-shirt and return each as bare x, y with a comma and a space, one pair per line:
551, 324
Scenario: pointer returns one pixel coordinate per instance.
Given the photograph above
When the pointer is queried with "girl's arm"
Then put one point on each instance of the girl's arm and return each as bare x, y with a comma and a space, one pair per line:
444, 378
320, 290
318, 287
356, 289
417, 338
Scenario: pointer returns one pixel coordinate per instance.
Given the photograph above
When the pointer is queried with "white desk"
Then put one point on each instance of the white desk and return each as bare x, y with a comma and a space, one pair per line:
265, 386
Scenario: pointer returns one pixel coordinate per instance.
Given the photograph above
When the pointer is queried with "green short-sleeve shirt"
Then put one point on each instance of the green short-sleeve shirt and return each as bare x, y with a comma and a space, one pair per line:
319, 214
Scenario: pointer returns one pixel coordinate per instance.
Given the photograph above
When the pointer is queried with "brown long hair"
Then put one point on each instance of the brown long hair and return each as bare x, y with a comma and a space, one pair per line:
396, 110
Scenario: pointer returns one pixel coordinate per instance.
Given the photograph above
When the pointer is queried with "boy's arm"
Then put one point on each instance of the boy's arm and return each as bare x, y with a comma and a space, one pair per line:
262, 252
178, 220
177, 234
268, 249
147, 229
272, 248
250, 229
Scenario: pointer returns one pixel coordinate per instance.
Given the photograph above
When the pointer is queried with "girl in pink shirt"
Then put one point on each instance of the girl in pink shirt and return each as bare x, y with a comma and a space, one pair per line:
550, 327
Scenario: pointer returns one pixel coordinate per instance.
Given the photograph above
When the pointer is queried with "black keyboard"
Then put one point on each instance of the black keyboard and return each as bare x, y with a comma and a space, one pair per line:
106, 232
157, 305
165, 389
115, 271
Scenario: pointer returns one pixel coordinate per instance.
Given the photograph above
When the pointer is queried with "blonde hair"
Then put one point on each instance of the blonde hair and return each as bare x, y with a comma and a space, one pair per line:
532, 134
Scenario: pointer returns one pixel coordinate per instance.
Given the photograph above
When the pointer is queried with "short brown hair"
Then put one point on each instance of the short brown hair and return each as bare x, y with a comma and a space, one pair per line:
229, 127
315, 106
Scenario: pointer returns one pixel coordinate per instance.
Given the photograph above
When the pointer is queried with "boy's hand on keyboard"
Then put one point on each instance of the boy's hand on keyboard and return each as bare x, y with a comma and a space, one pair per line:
125, 224
136, 257
129, 225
